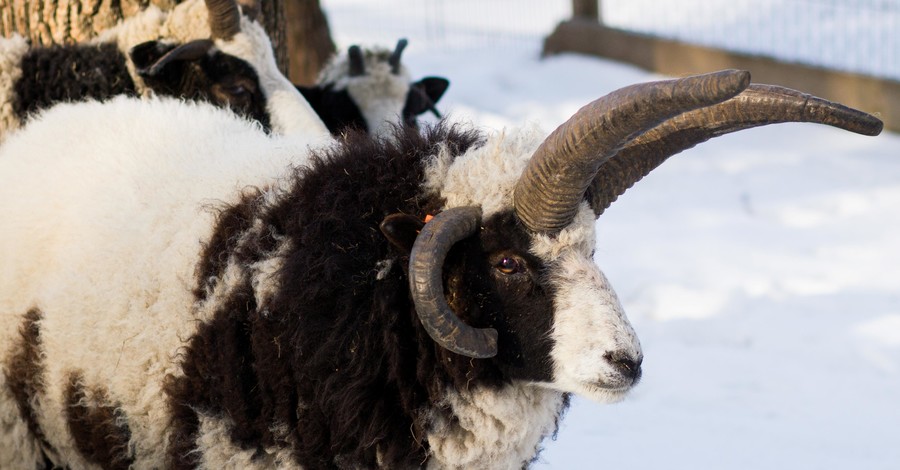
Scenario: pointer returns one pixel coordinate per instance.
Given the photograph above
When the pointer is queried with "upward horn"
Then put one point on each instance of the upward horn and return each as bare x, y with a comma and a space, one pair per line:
357, 65
553, 184
224, 18
758, 105
394, 59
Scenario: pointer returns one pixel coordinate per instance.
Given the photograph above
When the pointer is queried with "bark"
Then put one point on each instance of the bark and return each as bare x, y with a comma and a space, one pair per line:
47, 22
308, 40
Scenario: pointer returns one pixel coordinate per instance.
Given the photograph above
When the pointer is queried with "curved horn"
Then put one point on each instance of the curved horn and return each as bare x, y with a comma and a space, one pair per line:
758, 105
224, 18
357, 65
188, 51
552, 186
426, 284
394, 59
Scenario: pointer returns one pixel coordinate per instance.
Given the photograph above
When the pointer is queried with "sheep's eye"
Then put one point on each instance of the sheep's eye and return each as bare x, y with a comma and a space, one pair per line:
237, 90
509, 265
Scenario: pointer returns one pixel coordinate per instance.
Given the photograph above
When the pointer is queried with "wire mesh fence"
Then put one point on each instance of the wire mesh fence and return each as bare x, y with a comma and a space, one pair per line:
861, 36
446, 24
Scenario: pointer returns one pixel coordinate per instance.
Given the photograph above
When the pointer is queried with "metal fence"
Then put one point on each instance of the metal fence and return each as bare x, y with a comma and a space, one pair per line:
446, 24
861, 36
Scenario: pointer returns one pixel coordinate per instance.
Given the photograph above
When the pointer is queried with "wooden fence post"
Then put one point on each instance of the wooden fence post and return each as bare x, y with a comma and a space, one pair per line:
586, 9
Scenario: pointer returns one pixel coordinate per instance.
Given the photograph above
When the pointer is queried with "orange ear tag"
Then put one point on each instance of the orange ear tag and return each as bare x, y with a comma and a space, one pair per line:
428, 218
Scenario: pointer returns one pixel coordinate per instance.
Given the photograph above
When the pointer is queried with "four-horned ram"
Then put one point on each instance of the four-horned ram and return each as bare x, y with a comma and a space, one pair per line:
202, 295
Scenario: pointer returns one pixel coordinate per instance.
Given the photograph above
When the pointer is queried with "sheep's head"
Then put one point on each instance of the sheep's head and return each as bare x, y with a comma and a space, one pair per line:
198, 70
505, 272
232, 65
371, 89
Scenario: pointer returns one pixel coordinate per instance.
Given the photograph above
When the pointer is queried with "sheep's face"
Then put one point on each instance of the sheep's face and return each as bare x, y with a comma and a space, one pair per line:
378, 92
370, 89
197, 71
559, 322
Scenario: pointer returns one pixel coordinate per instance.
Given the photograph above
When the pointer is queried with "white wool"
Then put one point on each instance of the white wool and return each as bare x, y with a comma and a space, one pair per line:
216, 451
496, 429
187, 21
12, 49
142, 27
19, 448
589, 321
486, 175
133, 187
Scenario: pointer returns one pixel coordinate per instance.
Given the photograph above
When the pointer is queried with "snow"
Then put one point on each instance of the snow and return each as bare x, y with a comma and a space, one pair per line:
761, 271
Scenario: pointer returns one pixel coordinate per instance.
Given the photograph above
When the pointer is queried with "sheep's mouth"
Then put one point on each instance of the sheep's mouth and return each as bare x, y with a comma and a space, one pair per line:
604, 392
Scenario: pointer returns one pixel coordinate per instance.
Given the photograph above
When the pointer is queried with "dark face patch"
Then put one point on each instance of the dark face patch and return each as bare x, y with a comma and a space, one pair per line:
98, 426
500, 285
216, 77
336, 109
25, 372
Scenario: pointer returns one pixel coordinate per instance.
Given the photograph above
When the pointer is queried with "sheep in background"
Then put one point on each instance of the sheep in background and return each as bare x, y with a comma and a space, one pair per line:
234, 67
185, 291
371, 90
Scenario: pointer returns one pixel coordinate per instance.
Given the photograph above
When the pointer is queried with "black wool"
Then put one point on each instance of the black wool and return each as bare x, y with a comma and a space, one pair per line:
70, 73
337, 357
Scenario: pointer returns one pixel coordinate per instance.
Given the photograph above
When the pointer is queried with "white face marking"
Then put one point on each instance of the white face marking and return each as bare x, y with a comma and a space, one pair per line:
589, 322
288, 110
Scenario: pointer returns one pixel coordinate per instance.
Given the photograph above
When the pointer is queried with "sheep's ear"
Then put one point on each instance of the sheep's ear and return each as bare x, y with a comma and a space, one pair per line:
401, 230
423, 95
434, 87
145, 54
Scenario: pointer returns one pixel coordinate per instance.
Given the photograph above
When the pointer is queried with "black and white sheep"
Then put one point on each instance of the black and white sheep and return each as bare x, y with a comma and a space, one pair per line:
233, 67
257, 301
370, 89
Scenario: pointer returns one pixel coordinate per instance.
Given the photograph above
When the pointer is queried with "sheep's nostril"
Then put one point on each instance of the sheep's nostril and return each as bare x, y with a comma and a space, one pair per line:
625, 364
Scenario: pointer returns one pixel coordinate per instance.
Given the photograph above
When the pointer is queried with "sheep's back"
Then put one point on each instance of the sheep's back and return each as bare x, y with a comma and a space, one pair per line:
101, 239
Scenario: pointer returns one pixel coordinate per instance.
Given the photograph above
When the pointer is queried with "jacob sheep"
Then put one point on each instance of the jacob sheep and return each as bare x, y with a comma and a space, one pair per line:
258, 301
234, 67
371, 90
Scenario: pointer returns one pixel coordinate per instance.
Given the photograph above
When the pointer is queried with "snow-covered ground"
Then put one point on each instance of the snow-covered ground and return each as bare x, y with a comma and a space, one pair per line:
761, 271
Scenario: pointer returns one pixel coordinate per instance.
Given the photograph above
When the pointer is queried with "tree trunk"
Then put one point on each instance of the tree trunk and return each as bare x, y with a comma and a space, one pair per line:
308, 40
47, 22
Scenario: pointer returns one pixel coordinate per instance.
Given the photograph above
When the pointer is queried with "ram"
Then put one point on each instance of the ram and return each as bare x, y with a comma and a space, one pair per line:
200, 294
233, 67
370, 89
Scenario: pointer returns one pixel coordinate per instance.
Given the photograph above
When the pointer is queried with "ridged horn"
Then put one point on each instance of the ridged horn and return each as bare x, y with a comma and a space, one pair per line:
224, 18
394, 59
357, 65
758, 105
553, 184
188, 51
426, 262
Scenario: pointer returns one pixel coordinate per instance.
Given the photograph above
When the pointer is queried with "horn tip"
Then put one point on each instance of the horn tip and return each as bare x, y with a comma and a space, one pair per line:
871, 126
734, 79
